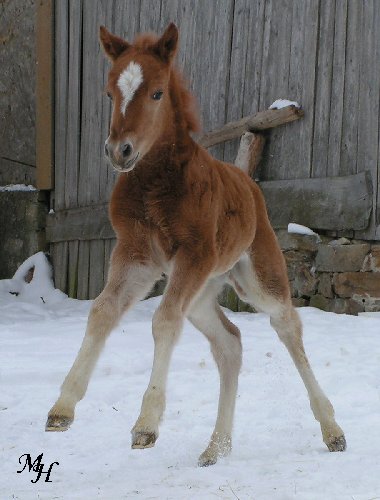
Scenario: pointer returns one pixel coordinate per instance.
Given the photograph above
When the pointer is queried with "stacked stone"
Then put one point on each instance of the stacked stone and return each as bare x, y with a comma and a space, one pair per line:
341, 276
22, 228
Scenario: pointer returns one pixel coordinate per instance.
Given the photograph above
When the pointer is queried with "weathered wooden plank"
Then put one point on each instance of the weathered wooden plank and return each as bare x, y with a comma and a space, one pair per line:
150, 16
263, 120
60, 260
368, 112
96, 268
44, 93
72, 271
61, 94
332, 203
304, 141
91, 149
239, 46
53, 251
83, 267
245, 64
73, 137
337, 97
275, 70
349, 143
324, 66
253, 57
82, 223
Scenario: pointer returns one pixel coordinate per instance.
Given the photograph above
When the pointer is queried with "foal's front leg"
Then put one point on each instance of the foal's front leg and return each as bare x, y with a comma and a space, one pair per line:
127, 283
184, 284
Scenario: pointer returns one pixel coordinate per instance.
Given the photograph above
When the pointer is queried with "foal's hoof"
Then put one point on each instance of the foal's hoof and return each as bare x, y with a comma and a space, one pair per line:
58, 423
143, 439
337, 444
207, 459
220, 446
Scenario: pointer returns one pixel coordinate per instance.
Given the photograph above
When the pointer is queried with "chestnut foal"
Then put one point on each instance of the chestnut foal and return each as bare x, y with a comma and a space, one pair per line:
176, 210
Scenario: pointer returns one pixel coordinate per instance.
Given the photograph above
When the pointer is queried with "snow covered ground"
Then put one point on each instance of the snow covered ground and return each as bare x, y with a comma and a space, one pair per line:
277, 452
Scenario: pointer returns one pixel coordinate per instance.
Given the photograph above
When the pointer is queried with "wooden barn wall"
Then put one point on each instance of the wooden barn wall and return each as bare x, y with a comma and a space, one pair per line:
238, 57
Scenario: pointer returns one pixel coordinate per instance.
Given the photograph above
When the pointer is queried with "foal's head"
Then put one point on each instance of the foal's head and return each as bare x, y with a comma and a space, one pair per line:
140, 86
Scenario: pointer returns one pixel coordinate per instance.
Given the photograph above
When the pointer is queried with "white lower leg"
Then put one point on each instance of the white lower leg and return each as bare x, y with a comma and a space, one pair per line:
227, 353
225, 343
127, 283
289, 329
166, 330
101, 320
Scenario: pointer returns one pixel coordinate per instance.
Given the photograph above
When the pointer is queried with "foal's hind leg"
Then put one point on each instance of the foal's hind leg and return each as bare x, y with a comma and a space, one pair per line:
224, 337
289, 329
127, 283
261, 279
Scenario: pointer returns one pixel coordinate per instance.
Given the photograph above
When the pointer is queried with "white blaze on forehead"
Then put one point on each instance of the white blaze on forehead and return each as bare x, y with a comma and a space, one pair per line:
129, 81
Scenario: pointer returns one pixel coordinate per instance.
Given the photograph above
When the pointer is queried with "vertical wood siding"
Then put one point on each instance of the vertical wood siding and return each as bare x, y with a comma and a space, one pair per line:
238, 56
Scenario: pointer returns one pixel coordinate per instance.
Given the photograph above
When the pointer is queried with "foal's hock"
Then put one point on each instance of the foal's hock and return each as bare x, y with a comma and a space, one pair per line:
177, 210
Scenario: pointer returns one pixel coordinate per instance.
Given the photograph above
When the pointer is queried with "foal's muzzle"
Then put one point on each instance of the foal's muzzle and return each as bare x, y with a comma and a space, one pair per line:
121, 156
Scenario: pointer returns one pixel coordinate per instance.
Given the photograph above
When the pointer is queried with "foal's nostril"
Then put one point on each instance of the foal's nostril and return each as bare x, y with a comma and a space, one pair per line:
106, 150
126, 149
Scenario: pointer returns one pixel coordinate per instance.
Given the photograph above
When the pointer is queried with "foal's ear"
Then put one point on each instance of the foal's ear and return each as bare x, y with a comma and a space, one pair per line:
113, 45
166, 46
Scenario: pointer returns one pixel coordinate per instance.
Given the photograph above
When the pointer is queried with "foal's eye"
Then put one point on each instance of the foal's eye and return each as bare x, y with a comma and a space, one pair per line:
109, 96
157, 95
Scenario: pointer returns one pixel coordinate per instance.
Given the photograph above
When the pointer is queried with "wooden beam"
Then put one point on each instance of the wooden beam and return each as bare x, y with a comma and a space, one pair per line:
44, 93
332, 203
335, 203
260, 121
83, 224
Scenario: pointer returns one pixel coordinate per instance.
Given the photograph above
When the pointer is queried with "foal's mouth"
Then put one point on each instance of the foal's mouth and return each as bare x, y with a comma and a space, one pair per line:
128, 166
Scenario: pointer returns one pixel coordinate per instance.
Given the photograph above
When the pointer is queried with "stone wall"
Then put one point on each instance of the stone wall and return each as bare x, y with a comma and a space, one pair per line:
17, 92
22, 228
341, 275
22, 213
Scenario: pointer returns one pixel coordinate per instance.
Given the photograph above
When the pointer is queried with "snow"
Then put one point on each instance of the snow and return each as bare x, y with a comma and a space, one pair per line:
40, 289
18, 187
299, 229
283, 103
278, 453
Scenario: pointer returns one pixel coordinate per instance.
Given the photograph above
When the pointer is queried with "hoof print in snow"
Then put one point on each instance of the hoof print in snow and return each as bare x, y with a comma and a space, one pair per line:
337, 444
56, 423
141, 439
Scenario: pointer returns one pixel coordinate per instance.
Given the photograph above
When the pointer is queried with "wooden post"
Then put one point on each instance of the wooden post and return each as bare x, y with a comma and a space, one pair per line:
44, 93
250, 152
